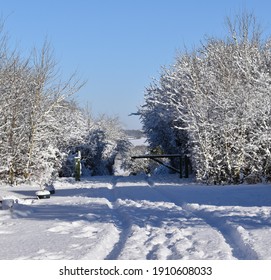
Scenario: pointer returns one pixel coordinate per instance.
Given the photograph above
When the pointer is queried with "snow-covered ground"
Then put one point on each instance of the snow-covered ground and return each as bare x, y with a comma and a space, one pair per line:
139, 142
137, 217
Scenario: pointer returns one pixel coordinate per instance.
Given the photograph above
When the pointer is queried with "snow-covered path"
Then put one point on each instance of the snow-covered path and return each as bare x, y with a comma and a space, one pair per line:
137, 218
154, 227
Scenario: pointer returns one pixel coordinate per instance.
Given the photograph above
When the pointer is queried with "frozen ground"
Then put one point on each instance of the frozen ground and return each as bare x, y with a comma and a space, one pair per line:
137, 218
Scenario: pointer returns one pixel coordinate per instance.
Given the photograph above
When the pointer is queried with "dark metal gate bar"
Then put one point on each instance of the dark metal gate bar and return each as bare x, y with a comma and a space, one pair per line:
182, 159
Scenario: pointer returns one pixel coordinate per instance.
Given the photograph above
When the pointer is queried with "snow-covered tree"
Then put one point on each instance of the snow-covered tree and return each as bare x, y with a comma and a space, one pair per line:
160, 119
32, 101
218, 98
41, 128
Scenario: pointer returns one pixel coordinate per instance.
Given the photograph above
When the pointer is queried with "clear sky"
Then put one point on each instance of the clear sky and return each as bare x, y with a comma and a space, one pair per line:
118, 46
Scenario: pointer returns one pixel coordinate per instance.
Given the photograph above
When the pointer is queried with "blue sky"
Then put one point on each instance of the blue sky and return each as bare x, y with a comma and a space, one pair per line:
118, 46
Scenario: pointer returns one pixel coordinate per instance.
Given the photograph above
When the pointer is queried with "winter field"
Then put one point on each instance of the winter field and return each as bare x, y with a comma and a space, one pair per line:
136, 218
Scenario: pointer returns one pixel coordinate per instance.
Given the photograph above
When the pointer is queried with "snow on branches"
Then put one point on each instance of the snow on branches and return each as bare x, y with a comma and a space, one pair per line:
214, 103
32, 110
40, 125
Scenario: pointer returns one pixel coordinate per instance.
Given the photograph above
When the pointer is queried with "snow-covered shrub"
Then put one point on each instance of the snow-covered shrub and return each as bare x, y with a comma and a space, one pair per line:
110, 140
99, 149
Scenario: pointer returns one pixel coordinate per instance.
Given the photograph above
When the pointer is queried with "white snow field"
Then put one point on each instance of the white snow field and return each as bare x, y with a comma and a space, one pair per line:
136, 218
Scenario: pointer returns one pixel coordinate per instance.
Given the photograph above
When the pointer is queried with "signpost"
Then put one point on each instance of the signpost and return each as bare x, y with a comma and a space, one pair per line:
77, 166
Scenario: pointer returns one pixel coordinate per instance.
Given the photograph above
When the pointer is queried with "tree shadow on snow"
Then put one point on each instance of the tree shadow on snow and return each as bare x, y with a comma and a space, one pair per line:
135, 203
245, 196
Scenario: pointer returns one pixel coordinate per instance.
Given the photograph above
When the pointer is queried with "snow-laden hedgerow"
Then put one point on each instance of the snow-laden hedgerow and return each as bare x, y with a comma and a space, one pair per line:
215, 104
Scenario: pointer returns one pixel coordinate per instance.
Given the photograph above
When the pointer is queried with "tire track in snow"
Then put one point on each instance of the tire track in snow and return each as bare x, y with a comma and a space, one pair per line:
187, 236
240, 249
123, 223
124, 220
